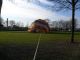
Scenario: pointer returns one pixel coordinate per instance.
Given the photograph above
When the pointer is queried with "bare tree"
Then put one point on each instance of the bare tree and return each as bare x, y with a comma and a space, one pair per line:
0, 12
62, 25
67, 4
0, 6
19, 24
12, 23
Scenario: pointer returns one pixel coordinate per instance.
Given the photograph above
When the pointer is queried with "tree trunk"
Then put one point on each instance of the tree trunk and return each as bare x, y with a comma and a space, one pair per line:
73, 20
0, 6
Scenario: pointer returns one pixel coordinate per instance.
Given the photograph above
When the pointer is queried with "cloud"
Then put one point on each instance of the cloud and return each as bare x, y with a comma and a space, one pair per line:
27, 12
30, 10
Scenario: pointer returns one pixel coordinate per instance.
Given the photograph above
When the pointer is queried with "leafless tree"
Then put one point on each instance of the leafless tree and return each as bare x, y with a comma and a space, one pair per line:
0, 6
12, 23
19, 24
72, 5
0, 12
63, 25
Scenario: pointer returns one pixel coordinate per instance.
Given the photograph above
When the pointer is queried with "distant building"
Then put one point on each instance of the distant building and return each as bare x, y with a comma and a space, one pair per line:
39, 26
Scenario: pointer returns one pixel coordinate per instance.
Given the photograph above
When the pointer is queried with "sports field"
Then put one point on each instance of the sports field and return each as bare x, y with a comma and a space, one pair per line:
16, 45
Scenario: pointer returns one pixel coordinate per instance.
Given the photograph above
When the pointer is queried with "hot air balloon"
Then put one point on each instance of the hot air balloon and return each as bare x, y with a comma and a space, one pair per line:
39, 26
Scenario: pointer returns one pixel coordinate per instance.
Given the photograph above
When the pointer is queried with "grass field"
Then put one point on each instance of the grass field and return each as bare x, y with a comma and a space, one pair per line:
53, 46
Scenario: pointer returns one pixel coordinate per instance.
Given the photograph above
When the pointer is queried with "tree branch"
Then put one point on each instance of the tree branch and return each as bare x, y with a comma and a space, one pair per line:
76, 2
69, 1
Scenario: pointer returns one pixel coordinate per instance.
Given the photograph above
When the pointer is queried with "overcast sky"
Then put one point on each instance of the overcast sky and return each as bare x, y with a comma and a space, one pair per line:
26, 12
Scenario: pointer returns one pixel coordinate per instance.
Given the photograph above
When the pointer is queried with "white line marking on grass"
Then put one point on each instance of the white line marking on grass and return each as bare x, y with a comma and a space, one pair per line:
37, 47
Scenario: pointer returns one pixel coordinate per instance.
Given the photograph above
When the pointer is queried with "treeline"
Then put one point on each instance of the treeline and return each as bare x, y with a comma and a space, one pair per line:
15, 28
63, 25
11, 25
60, 25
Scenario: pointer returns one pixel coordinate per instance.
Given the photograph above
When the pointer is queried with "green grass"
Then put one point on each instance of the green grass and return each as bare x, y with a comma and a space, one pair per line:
18, 37
53, 46
25, 37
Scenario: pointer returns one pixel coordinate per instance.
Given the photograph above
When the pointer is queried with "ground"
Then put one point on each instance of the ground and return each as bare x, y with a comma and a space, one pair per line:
53, 46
